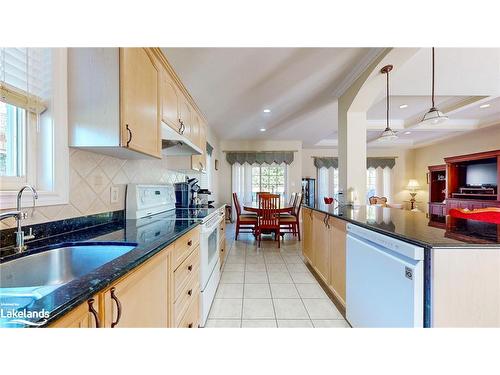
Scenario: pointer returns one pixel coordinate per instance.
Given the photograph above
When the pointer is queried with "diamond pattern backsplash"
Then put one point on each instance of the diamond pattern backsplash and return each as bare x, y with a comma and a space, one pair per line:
91, 178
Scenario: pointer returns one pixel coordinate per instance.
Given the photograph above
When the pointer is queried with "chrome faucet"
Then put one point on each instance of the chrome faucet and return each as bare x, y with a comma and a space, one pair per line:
19, 216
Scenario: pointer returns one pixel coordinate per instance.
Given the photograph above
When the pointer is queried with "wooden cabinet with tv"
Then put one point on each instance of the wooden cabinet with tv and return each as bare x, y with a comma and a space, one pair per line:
437, 189
472, 180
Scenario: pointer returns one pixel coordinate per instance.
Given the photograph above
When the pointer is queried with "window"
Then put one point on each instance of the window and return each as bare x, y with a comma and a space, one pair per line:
328, 183
268, 178
371, 183
33, 124
378, 183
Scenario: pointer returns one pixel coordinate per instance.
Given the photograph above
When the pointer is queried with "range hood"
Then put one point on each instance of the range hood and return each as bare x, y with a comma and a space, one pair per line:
175, 144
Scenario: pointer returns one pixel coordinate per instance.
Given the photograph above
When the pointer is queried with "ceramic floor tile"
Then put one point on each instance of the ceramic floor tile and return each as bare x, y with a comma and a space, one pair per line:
276, 267
335, 323
232, 277
295, 324
274, 258
229, 291
258, 308
264, 323
226, 309
297, 267
256, 278
255, 260
284, 291
322, 309
223, 323
290, 309
280, 278
292, 259
303, 278
234, 267
232, 259
311, 291
257, 291
255, 267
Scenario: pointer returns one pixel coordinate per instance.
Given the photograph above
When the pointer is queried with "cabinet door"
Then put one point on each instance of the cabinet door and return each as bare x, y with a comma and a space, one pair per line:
139, 102
169, 102
338, 258
321, 246
307, 234
141, 298
185, 115
81, 317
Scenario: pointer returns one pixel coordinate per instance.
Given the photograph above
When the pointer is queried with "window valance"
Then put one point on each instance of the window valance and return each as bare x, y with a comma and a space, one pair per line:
263, 157
333, 162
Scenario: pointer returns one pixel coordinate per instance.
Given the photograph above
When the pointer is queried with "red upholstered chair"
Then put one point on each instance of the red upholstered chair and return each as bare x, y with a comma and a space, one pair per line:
268, 219
245, 223
290, 223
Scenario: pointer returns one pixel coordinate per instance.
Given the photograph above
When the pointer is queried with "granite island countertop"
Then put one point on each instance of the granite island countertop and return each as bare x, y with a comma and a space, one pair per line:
146, 244
417, 227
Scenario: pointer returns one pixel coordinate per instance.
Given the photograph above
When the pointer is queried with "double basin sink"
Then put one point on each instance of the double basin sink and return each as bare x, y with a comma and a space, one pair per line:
31, 277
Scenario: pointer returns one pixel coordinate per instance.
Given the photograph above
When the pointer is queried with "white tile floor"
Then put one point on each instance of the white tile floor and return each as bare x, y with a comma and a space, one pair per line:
269, 287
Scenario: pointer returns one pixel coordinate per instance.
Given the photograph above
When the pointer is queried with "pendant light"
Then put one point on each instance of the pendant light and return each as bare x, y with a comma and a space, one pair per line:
434, 116
388, 134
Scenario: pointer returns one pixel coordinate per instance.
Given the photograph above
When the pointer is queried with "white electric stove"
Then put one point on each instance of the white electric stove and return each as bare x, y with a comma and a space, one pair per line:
153, 208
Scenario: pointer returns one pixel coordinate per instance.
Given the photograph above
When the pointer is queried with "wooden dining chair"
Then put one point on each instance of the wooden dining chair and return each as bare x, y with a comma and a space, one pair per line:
268, 219
293, 197
377, 200
245, 223
289, 223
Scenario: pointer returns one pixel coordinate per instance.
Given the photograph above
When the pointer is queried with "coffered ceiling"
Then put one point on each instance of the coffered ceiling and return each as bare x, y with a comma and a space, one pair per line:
300, 86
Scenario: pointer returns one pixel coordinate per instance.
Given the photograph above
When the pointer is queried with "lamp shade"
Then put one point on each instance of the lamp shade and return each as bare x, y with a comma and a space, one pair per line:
387, 135
413, 185
433, 117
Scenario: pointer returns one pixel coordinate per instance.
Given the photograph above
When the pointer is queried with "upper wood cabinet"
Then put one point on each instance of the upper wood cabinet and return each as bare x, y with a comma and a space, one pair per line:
170, 102
139, 101
140, 299
113, 101
185, 113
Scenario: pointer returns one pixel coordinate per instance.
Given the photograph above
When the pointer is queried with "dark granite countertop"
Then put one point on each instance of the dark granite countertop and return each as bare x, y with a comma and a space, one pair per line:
417, 227
147, 240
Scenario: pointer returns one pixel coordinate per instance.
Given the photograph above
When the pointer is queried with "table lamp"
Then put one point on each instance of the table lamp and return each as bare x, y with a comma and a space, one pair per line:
413, 186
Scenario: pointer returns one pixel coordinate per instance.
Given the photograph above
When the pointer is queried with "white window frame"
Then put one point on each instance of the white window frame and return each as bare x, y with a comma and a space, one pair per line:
47, 155
285, 177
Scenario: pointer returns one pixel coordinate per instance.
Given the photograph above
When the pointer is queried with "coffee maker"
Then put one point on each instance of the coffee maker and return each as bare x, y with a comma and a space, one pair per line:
186, 193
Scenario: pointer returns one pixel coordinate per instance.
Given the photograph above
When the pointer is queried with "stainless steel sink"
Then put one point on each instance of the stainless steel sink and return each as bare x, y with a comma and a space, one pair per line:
55, 267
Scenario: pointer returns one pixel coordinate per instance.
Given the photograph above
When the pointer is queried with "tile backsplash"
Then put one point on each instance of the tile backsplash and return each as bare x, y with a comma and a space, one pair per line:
91, 177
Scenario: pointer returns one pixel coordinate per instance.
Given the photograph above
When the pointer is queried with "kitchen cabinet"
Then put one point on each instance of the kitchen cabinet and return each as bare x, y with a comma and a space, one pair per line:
170, 102
222, 243
114, 101
199, 162
324, 247
321, 246
140, 299
85, 315
185, 114
307, 235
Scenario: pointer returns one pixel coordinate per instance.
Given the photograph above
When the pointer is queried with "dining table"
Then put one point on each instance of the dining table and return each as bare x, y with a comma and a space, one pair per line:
285, 207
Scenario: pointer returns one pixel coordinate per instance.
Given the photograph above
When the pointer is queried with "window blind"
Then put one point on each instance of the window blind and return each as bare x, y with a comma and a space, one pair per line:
25, 77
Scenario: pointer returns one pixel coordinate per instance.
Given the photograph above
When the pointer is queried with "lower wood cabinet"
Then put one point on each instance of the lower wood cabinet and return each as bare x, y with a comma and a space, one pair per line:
324, 247
162, 292
222, 243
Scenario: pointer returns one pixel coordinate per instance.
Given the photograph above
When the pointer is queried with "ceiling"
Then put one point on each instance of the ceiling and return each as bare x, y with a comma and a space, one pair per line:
233, 86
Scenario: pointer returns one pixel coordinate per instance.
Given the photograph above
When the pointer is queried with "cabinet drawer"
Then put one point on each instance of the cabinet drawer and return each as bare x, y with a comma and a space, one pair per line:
222, 251
189, 293
185, 245
222, 229
188, 269
192, 316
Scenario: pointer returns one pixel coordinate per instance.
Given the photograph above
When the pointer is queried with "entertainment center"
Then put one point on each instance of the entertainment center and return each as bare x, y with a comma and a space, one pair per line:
472, 181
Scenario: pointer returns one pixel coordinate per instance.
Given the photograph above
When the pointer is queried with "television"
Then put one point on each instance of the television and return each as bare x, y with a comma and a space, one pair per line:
481, 174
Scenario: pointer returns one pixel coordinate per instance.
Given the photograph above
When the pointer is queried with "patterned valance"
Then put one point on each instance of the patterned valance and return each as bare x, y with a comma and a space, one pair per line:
333, 162
326, 162
264, 157
209, 149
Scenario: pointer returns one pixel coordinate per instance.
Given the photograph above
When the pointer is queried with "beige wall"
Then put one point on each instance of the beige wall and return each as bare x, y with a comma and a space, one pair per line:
295, 169
479, 140
402, 171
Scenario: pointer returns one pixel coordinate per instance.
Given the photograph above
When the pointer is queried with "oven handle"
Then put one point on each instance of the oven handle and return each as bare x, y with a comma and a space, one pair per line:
210, 229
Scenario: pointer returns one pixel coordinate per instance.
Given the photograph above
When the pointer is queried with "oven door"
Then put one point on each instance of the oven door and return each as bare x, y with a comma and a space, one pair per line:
209, 249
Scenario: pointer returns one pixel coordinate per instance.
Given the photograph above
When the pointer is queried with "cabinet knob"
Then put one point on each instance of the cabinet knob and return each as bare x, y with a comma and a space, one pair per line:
221, 250
190, 267
190, 242
190, 325
190, 292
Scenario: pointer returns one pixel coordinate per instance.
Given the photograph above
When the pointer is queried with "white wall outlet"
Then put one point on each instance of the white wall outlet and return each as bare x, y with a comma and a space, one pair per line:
115, 192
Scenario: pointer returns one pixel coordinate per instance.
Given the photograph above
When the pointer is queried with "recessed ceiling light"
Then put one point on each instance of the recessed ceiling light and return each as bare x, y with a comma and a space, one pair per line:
262, 129
402, 106
267, 110
484, 106
407, 133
